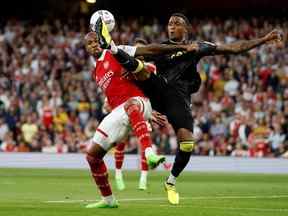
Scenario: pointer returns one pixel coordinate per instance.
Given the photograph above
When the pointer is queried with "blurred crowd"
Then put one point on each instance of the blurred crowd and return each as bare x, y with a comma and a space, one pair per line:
49, 103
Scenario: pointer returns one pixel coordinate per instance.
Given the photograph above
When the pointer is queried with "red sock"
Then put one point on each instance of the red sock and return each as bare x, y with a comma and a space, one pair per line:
119, 155
139, 126
144, 165
100, 174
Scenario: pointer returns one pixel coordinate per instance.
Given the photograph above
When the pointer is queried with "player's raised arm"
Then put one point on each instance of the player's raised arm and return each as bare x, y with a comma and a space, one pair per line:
243, 45
157, 49
208, 49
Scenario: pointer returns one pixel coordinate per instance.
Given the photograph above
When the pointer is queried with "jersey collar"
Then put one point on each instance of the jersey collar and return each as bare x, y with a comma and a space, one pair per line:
180, 42
101, 58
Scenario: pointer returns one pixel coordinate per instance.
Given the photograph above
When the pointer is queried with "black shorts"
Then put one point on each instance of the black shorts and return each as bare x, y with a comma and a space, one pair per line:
177, 109
167, 100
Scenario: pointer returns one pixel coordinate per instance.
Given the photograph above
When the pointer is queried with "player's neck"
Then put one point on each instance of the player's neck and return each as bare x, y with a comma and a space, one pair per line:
97, 55
178, 41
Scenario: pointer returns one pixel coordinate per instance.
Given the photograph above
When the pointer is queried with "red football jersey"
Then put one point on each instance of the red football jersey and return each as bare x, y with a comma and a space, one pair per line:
108, 75
47, 117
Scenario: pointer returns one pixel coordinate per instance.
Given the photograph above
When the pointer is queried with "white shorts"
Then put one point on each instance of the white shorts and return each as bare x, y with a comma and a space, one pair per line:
115, 126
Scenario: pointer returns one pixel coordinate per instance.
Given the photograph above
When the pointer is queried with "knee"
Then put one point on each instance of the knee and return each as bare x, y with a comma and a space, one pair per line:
186, 140
94, 160
132, 105
91, 159
184, 134
94, 151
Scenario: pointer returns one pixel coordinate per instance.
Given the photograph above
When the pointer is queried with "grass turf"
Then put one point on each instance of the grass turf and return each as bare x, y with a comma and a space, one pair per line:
26, 192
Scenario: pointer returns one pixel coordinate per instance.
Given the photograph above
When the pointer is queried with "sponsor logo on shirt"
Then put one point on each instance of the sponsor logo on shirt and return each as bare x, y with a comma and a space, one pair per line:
105, 80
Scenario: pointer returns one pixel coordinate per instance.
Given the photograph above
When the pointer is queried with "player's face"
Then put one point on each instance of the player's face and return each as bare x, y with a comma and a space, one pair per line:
91, 44
176, 28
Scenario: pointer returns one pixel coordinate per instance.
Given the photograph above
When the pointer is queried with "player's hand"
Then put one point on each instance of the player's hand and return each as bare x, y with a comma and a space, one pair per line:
159, 118
275, 36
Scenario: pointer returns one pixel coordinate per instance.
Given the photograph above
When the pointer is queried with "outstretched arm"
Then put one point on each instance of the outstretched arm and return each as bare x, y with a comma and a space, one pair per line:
245, 45
158, 49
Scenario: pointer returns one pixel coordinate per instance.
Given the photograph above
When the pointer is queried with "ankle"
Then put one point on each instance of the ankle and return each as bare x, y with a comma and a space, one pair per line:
171, 179
144, 174
149, 151
118, 173
109, 199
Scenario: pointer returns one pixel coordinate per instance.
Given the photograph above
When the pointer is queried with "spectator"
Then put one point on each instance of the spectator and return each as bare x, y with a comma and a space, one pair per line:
3, 129
29, 129
49, 102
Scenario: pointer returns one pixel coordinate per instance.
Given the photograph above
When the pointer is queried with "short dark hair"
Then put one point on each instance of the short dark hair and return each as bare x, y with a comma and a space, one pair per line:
183, 17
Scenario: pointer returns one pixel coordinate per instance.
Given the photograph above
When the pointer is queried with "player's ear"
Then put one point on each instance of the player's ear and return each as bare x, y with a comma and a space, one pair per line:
188, 30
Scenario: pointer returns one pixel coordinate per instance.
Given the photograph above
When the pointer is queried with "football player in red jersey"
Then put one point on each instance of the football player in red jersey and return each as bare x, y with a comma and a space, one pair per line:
130, 108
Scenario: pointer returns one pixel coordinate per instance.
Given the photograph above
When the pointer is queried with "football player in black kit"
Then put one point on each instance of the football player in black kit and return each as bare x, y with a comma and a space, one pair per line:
177, 78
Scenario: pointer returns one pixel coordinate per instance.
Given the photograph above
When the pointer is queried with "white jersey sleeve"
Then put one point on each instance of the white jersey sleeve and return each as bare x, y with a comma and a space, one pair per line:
131, 50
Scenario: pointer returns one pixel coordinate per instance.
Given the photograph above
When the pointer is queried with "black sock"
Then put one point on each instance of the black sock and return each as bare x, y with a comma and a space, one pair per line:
128, 62
181, 160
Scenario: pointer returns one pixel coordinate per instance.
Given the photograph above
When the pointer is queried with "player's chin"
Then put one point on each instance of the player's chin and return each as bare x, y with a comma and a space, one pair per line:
171, 35
97, 52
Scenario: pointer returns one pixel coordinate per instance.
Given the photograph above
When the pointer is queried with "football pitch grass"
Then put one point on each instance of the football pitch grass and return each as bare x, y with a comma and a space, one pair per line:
37, 192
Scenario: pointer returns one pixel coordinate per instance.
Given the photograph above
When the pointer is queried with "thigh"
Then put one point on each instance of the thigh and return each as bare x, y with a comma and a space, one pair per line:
178, 111
153, 88
113, 128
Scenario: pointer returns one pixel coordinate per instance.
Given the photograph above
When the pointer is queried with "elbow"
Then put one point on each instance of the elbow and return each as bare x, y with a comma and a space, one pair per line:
234, 49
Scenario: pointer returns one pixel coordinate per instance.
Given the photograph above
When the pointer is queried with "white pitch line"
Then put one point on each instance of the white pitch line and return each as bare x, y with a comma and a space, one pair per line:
8, 183
248, 209
231, 208
183, 198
